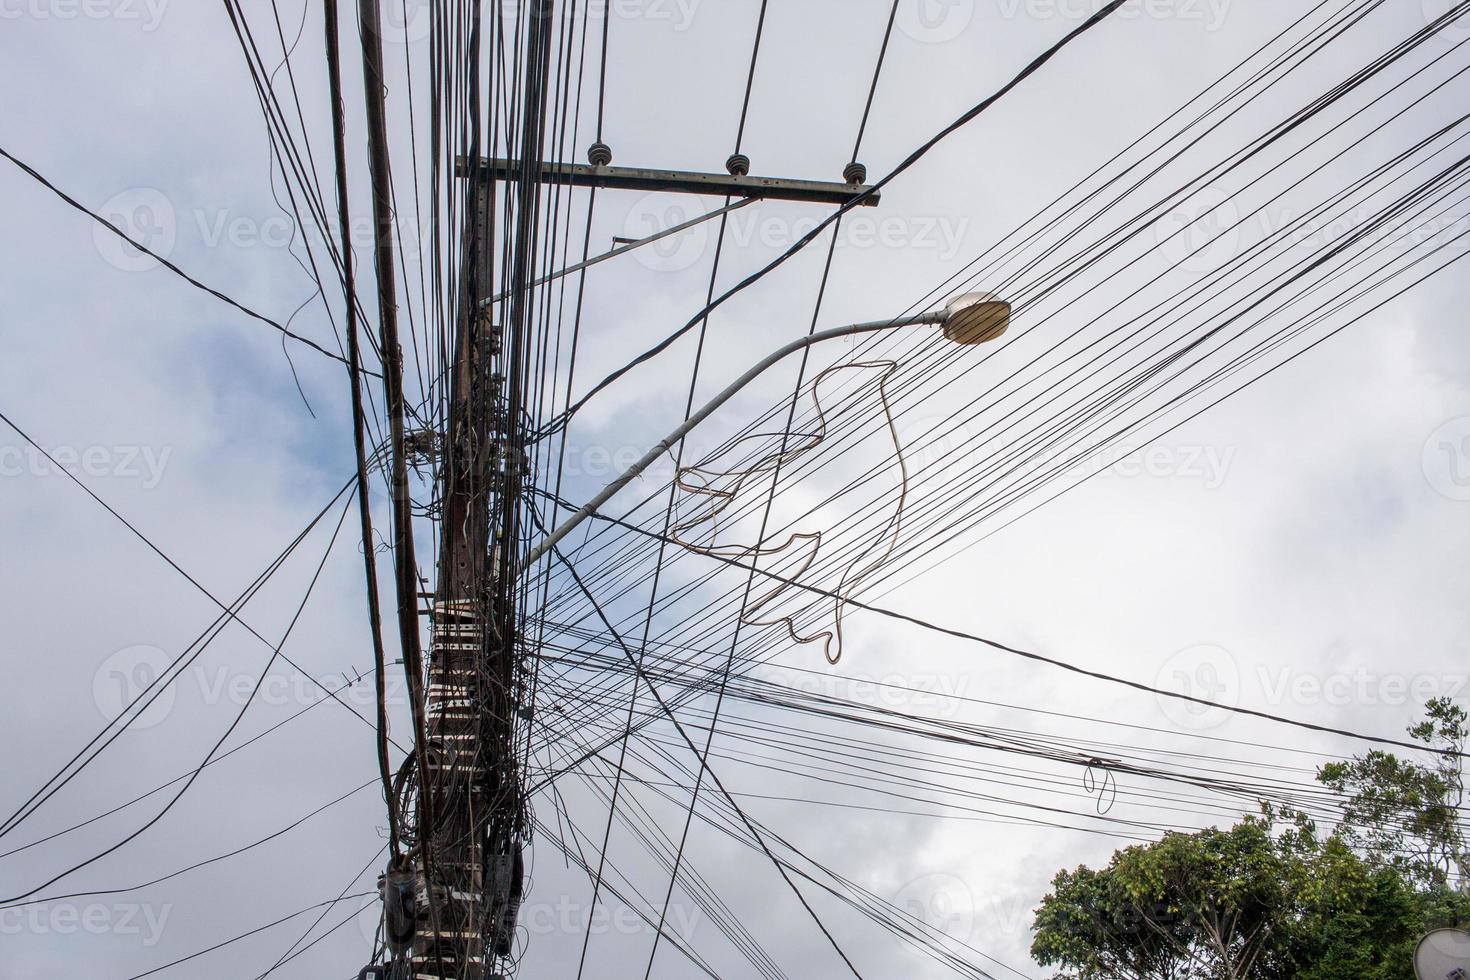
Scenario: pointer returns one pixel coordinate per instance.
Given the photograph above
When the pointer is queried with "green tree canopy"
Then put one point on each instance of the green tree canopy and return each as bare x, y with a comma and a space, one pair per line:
1407, 813
1237, 904
1255, 903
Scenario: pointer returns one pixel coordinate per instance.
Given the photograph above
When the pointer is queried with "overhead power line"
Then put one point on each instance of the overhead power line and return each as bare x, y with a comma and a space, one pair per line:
1042, 658
163, 261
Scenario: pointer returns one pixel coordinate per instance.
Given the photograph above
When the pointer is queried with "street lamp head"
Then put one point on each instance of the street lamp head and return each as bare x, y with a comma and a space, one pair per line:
976, 318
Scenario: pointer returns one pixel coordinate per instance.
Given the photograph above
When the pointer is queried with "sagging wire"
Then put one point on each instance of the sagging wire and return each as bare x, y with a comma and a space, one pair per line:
700, 480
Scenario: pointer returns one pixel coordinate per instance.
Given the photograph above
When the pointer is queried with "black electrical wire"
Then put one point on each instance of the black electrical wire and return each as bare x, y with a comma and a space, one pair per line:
77, 205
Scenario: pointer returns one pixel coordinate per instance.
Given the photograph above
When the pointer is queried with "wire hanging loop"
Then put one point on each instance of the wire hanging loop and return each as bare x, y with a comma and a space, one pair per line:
719, 491
1105, 787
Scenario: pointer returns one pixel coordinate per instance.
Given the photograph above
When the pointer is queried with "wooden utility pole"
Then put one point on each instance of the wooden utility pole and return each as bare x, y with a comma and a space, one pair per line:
471, 863
451, 906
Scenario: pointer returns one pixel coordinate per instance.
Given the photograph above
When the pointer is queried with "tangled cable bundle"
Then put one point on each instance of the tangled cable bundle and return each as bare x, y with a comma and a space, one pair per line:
700, 480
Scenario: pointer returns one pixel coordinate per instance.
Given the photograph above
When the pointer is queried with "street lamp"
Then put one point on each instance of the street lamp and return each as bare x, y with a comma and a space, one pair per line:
973, 318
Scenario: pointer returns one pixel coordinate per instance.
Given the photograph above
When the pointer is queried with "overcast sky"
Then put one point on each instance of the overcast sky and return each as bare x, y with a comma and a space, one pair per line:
1298, 549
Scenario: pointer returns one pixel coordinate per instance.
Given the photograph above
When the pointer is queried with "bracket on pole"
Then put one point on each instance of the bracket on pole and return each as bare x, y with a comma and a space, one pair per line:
678, 181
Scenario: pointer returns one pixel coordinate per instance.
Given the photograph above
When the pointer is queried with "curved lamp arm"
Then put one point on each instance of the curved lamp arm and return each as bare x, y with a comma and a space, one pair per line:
669, 441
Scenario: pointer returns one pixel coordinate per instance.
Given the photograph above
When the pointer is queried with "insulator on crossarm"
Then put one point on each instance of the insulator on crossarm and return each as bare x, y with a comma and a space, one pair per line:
738, 164
599, 154
855, 173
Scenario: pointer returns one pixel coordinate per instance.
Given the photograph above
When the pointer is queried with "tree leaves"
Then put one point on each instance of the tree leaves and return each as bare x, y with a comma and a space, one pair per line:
1268, 899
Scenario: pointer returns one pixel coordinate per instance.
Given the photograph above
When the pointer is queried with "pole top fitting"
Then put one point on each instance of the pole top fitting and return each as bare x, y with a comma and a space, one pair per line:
855, 173
599, 154
738, 165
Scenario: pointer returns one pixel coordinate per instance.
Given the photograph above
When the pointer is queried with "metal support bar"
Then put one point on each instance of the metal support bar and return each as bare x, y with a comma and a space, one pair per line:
625, 247
679, 181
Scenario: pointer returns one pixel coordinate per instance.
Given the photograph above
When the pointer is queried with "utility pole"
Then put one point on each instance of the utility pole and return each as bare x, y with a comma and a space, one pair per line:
472, 823
399, 883
450, 905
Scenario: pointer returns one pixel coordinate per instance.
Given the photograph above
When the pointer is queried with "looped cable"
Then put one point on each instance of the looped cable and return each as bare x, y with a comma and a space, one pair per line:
699, 480
1106, 788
